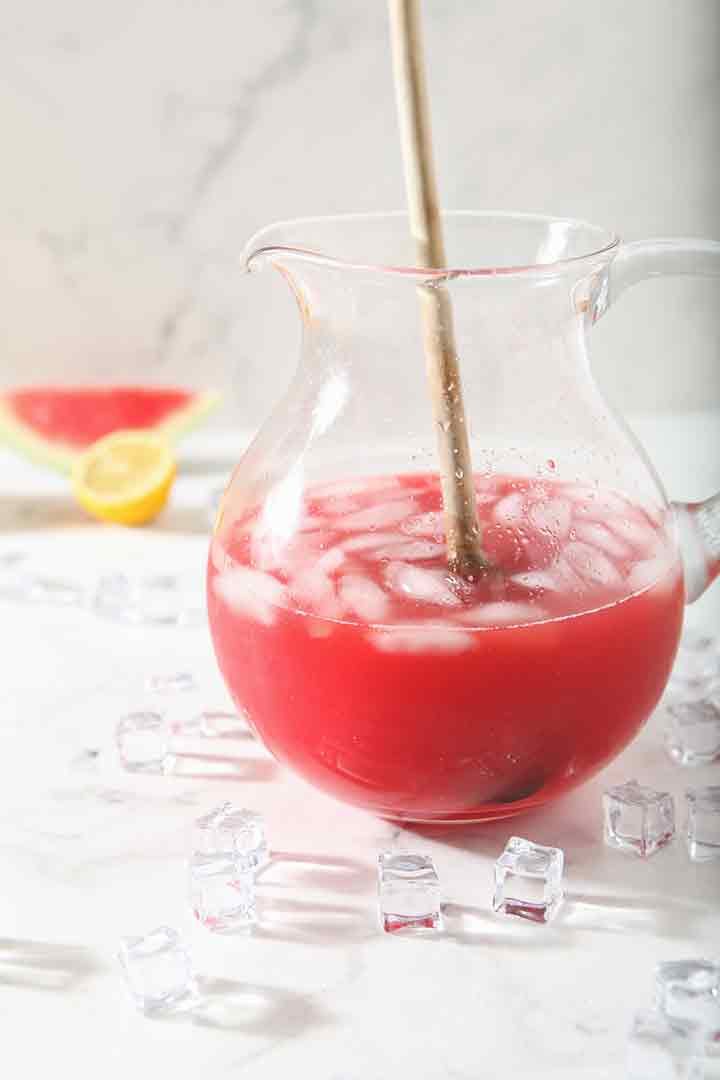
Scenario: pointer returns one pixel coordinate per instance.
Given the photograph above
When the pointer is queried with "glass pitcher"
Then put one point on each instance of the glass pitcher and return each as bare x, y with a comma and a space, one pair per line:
360, 659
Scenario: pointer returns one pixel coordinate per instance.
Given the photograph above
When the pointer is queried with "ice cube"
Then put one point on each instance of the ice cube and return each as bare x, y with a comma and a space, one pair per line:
45, 589
558, 578
158, 971
698, 657
600, 537
314, 591
591, 565
649, 572
377, 516
639, 534
703, 822
342, 489
178, 681
233, 831
551, 516
423, 637
222, 892
687, 993
417, 583
143, 742
428, 524
250, 592
657, 1051
529, 880
212, 724
637, 818
362, 597
594, 504
692, 734
511, 510
370, 540
408, 893
155, 599
412, 551
501, 613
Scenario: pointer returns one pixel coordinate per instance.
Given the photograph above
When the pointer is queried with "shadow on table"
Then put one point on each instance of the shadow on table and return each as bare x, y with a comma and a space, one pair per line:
332, 872
472, 925
43, 965
313, 922
257, 1009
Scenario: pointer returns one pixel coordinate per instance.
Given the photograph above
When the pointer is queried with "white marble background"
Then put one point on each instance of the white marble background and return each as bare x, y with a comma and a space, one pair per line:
144, 141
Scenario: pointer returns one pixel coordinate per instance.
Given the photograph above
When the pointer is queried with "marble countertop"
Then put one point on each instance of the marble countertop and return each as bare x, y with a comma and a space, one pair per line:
89, 853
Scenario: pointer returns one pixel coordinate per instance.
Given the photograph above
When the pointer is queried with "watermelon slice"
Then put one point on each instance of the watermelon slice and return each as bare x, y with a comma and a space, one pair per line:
53, 424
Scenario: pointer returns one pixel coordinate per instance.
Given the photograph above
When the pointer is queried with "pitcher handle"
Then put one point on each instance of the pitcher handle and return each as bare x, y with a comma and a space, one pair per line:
698, 524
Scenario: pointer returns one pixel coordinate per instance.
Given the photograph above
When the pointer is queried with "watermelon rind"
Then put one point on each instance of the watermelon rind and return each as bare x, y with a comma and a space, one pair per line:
60, 456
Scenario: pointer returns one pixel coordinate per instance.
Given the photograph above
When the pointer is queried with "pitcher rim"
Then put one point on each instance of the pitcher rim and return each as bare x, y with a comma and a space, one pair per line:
254, 250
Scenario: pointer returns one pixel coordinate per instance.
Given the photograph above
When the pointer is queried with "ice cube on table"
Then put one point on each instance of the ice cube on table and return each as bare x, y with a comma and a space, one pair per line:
657, 1051
154, 599
234, 831
360, 596
637, 818
173, 683
408, 893
703, 822
418, 583
47, 589
250, 592
158, 971
222, 892
529, 880
143, 742
213, 724
698, 658
687, 993
692, 735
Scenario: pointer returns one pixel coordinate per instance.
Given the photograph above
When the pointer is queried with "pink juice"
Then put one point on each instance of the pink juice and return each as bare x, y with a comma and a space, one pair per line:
378, 676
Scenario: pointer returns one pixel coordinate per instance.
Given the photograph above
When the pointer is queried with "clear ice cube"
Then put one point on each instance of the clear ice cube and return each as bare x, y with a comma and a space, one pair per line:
417, 583
176, 682
687, 992
698, 658
222, 891
155, 599
158, 971
233, 831
143, 742
529, 880
703, 822
213, 724
362, 597
250, 592
657, 1051
692, 735
637, 818
408, 892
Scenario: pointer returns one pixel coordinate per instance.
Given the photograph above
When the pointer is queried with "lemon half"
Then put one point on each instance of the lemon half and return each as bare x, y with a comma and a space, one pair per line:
124, 478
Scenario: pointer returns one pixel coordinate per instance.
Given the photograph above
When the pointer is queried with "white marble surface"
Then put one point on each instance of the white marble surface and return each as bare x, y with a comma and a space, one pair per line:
144, 141
317, 991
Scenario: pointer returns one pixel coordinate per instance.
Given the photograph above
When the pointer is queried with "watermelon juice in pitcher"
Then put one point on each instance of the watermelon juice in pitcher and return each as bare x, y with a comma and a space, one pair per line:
360, 658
